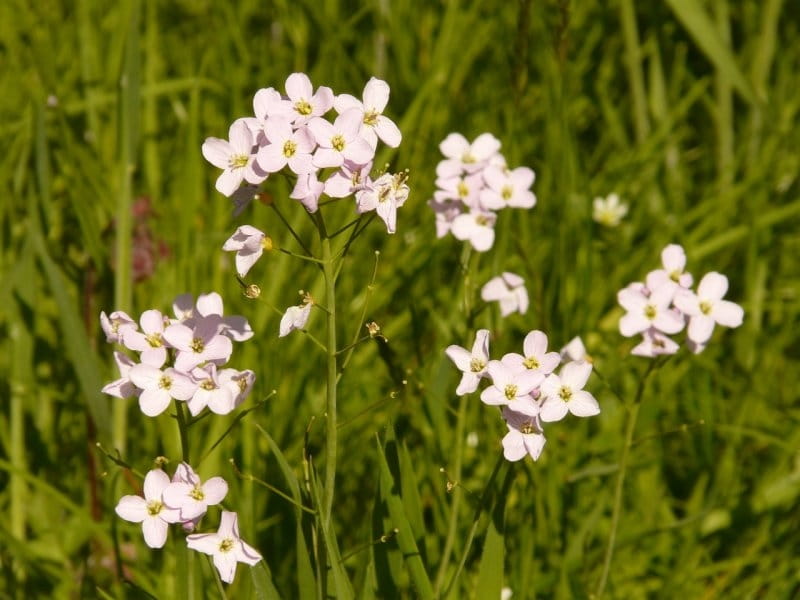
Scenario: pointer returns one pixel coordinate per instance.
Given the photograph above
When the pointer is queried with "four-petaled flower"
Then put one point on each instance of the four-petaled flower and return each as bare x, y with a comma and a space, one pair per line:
706, 307
226, 546
374, 124
564, 393
151, 511
249, 244
525, 436
509, 290
190, 495
472, 364
234, 157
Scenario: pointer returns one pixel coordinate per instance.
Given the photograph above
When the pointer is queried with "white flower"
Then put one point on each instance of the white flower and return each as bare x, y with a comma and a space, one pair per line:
564, 393
509, 290
295, 317
524, 436
706, 308
225, 546
249, 244
609, 211
472, 364
151, 511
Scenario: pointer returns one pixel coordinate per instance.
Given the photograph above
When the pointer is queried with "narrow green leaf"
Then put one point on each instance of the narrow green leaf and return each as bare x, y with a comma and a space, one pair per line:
707, 37
262, 582
490, 571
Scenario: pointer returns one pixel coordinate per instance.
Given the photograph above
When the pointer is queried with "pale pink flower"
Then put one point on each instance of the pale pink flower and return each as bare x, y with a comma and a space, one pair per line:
306, 103
536, 357
471, 363
509, 290
512, 388
524, 437
149, 341
564, 393
210, 390
340, 141
374, 124
234, 157
151, 511
575, 350
655, 343
115, 325
707, 308
508, 188
465, 188
286, 147
240, 383
673, 259
347, 180
199, 343
159, 387
307, 190
446, 212
190, 495
645, 312
226, 546
187, 312
295, 317
249, 244
465, 156
384, 195
267, 103
477, 226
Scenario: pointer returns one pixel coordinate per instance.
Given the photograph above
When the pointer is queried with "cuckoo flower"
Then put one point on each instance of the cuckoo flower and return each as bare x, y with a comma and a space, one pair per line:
159, 387
122, 387
307, 104
536, 357
564, 393
190, 495
210, 390
707, 308
340, 141
295, 317
115, 325
199, 343
384, 196
477, 226
307, 190
234, 157
151, 511
525, 436
512, 389
645, 311
347, 180
149, 341
509, 290
240, 383
508, 188
673, 260
374, 124
471, 364
286, 147
465, 156
226, 546
655, 343
249, 244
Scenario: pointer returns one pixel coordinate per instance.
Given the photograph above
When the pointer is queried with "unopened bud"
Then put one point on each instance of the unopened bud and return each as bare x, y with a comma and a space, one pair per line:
252, 291
267, 244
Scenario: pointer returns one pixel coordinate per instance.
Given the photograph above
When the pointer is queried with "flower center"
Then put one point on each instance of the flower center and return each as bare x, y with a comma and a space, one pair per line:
705, 307
531, 363
289, 148
481, 220
510, 391
565, 393
337, 142
154, 339
675, 275
238, 161
208, 385
154, 507
226, 545
165, 382
467, 158
650, 311
476, 365
507, 192
462, 189
303, 107
528, 428
197, 493
197, 345
242, 384
371, 118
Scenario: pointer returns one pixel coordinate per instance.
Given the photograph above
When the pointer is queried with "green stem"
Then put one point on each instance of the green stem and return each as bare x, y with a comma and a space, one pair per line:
183, 429
633, 415
329, 271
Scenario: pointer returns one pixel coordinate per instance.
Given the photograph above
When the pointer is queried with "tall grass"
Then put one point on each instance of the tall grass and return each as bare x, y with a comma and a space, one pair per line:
688, 110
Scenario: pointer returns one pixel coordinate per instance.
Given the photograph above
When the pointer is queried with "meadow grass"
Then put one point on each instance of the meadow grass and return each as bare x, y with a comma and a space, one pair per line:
687, 109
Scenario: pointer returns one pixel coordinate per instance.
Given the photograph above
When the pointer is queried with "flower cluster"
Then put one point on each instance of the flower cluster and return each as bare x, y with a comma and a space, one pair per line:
509, 291
180, 358
526, 387
474, 183
289, 133
664, 303
185, 499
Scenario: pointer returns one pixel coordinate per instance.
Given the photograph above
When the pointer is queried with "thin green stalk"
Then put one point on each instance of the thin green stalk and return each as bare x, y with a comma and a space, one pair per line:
482, 506
331, 441
633, 415
633, 60
183, 429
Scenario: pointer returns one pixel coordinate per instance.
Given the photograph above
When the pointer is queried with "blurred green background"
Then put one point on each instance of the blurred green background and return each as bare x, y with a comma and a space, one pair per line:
686, 108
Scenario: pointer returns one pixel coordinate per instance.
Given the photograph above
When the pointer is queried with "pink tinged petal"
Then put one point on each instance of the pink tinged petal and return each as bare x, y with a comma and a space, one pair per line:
198, 402
514, 362
631, 300
495, 289
222, 401
463, 226
484, 146
644, 348
495, 178
523, 177
633, 323
322, 100
247, 554
229, 181
728, 313
219, 347
524, 199
376, 94
526, 406
468, 384
512, 279
687, 302
522, 299
177, 493
145, 376
217, 152
449, 168
240, 137
298, 87
225, 562
499, 373
345, 102
155, 357
712, 286
513, 446
508, 305
668, 322
271, 158
549, 361
120, 388
153, 402
359, 150
211, 304
493, 396
182, 387
152, 321
575, 374
673, 258
482, 238
215, 490
322, 131
574, 350
583, 404
302, 164
480, 348
389, 133
278, 130
527, 381
348, 123
132, 508
228, 525
454, 145
327, 157
207, 543
245, 260
155, 482
534, 444
700, 328
661, 297
179, 336
553, 409
460, 357
155, 532
551, 385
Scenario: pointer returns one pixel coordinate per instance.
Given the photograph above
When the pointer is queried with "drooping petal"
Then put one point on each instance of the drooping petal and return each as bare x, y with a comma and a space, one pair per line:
461, 357
583, 404
468, 384
155, 532
513, 446
153, 402
700, 328
553, 409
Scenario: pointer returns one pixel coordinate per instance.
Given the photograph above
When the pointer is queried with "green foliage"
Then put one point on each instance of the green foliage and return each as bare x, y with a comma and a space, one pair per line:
687, 109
